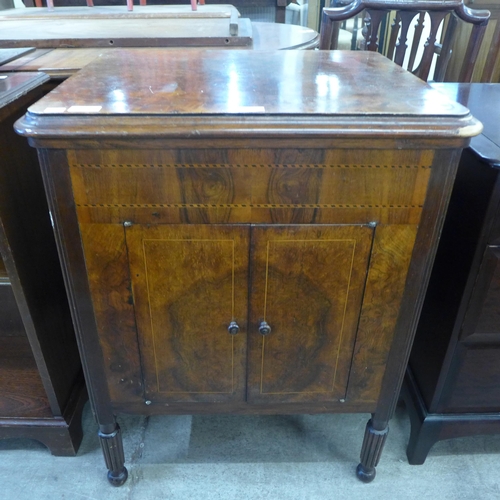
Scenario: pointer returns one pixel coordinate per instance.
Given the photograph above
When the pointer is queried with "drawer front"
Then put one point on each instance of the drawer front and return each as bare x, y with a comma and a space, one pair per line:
242, 186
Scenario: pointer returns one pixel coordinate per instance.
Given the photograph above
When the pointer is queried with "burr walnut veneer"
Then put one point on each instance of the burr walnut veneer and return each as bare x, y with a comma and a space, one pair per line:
246, 232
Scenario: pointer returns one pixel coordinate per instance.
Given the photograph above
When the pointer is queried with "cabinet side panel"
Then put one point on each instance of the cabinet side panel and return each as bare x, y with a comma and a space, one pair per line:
107, 268
31, 260
22, 394
389, 264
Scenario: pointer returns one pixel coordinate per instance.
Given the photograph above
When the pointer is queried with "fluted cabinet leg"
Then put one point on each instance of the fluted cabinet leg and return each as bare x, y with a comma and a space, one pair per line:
112, 448
373, 444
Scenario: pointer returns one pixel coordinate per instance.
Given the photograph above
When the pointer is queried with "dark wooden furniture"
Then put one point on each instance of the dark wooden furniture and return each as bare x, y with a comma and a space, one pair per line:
407, 13
487, 67
62, 63
42, 390
452, 384
239, 240
8, 55
106, 29
149, 27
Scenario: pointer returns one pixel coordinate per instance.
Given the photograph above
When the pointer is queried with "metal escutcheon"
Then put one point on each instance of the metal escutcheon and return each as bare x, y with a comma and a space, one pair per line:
264, 328
233, 328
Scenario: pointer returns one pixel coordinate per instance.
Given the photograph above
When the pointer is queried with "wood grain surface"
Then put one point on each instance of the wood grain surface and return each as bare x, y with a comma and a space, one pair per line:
189, 283
157, 82
385, 285
110, 285
260, 185
307, 284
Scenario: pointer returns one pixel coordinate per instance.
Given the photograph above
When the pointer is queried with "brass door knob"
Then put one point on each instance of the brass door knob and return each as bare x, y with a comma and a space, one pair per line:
264, 328
233, 328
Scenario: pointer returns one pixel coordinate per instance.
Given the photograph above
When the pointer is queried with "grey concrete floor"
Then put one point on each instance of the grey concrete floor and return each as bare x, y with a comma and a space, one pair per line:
251, 457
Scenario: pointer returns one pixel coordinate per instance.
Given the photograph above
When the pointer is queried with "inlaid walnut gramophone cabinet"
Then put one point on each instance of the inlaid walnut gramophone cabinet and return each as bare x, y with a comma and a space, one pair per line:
246, 232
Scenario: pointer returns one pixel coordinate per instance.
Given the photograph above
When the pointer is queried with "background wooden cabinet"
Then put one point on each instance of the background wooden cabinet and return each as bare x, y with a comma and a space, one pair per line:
452, 384
42, 390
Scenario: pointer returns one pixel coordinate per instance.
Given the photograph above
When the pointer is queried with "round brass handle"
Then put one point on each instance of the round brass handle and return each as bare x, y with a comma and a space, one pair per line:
233, 328
264, 328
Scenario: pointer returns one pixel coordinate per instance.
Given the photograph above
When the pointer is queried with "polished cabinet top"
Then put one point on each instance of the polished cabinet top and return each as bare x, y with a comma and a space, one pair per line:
207, 82
347, 90
14, 85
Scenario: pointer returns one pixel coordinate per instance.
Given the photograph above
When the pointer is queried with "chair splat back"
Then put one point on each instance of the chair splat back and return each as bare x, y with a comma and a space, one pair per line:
406, 13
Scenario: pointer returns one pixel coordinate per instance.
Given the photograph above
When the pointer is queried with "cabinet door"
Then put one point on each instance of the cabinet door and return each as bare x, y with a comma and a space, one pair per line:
189, 283
307, 284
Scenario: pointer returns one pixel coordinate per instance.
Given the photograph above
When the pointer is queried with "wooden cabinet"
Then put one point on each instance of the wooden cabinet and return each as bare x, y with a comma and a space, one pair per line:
452, 387
42, 391
236, 241
190, 282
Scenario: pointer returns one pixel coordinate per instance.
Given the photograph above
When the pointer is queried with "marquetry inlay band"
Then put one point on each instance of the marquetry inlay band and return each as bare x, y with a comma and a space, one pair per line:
257, 205
223, 165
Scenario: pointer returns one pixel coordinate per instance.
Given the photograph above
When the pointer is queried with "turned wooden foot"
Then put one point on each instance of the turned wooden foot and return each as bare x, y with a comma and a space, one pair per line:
373, 444
112, 448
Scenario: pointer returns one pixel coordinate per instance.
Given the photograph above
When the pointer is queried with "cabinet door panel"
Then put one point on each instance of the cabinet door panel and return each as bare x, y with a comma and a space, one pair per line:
189, 283
307, 284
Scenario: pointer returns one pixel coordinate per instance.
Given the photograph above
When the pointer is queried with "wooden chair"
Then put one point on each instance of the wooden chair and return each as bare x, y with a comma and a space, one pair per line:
396, 46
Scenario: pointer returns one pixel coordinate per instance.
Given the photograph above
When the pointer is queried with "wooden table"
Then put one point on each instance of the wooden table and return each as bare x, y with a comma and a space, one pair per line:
62, 63
145, 26
452, 385
240, 240
42, 390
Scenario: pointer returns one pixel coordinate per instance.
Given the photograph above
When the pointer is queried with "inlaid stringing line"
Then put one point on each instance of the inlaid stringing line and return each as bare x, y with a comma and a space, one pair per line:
229, 205
155, 240
350, 241
233, 165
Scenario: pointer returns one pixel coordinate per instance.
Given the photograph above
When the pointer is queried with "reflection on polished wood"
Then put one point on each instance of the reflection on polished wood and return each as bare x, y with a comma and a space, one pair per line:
127, 82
